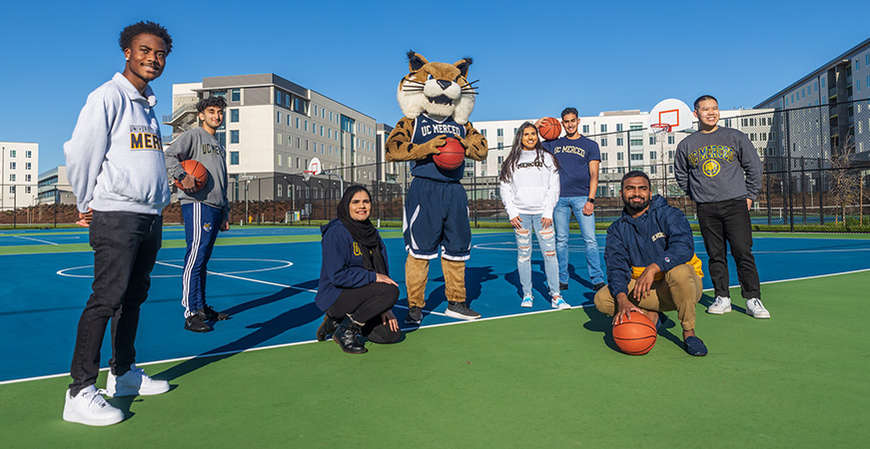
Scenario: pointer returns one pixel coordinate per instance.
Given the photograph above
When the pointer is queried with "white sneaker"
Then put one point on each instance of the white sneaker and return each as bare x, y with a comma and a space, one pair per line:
557, 302
90, 408
756, 308
721, 305
134, 383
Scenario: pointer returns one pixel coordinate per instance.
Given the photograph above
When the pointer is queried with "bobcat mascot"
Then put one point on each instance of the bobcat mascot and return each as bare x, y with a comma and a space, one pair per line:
436, 100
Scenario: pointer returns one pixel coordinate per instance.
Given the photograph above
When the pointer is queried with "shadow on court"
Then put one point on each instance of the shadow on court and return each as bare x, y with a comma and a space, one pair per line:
599, 322
265, 331
474, 279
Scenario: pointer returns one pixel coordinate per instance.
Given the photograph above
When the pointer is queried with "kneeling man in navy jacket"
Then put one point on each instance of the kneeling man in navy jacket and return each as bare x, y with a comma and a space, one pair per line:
651, 262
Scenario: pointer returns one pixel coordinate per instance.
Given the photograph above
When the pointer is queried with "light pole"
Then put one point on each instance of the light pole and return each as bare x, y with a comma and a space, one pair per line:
247, 180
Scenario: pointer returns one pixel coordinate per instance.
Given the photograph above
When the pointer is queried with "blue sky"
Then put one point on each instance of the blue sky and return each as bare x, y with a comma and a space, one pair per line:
530, 62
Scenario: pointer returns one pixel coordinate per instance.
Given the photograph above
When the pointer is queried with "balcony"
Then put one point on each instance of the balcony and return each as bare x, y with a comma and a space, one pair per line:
181, 112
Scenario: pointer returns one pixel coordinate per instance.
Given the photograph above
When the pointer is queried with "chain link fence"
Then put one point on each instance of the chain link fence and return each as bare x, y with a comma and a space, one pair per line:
816, 177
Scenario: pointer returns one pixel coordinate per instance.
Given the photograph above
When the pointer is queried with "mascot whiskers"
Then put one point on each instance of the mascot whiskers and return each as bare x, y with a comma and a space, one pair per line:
436, 100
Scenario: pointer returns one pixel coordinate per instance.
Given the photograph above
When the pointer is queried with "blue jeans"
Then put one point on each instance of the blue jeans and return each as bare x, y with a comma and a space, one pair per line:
562, 220
547, 243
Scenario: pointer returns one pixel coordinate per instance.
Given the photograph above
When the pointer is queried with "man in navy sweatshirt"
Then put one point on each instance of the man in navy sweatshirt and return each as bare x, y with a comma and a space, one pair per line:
117, 172
651, 262
720, 169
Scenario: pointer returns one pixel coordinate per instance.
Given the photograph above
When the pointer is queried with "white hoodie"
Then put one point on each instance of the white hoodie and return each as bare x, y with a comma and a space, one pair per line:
114, 158
534, 188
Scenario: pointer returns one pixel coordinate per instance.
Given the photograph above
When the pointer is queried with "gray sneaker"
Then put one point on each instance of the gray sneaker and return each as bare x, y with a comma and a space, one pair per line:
461, 311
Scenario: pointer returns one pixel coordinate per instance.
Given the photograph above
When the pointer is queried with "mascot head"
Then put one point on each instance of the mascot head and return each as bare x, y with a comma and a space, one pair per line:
439, 89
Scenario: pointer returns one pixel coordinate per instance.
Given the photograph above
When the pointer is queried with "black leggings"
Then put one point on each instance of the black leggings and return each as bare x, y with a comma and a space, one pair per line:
365, 305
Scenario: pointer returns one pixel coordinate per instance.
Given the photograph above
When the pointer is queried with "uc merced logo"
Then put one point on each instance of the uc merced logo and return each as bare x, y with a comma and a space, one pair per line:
206, 227
710, 167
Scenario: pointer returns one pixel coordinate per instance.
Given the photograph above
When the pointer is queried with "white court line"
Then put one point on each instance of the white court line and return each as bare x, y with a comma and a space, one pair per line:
36, 240
283, 345
231, 276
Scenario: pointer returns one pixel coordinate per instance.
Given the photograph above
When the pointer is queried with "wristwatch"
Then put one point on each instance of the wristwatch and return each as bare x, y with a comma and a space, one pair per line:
591, 200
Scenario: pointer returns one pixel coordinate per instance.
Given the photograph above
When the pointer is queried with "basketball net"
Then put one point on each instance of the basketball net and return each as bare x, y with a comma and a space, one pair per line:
659, 128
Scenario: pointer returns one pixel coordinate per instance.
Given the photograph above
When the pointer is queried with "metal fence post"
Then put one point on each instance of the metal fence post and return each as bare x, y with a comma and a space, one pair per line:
821, 187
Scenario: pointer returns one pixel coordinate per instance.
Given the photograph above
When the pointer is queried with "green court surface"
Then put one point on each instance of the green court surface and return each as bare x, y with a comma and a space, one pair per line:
548, 380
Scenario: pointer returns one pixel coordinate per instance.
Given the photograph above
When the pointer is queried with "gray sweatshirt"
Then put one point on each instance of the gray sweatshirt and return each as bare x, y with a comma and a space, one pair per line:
718, 166
203, 147
114, 158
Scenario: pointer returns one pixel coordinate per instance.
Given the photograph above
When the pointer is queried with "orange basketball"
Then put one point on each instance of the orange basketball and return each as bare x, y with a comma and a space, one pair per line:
636, 335
452, 155
550, 128
197, 170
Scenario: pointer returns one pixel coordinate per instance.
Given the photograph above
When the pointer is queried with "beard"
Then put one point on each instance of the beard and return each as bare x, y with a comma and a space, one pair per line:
633, 209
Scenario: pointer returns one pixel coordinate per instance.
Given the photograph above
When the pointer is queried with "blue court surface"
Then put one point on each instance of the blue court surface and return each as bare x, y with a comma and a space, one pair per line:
269, 291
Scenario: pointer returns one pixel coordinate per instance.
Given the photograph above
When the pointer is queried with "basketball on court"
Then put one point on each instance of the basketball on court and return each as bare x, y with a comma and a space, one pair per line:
197, 170
636, 335
550, 128
452, 155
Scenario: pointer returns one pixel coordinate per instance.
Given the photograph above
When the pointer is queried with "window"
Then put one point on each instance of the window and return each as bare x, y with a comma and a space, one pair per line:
671, 140
12, 153
603, 156
652, 140
620, 141
278, 117
500, 160
280, 190
637, 156
500, 147
11, 189
823, 82
652, 155
585, 129
12, 165
234, 158
670, 169
620, 156
219, 93
500, 132
27, 165
234, 115
604, 141
619, 126
636, 142
604, 127
306, 125
236, 95
27, 189
234, 136
483, 132
867, 59
12, 177
221, 138
670, 154
28, 154
652, 169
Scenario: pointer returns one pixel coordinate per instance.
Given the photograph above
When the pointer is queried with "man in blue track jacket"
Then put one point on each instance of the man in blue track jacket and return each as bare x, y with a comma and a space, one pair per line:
651, 262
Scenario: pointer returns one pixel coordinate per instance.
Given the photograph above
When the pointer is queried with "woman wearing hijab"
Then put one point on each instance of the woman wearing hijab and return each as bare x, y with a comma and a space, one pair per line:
355, 288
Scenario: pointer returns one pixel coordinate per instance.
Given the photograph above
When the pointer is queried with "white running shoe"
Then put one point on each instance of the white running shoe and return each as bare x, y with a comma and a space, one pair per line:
527, 301
721, 305
756, 308
134, 383
557, 302
90, 408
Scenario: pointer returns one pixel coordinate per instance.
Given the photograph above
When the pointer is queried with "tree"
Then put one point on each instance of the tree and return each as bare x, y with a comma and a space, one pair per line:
846, 180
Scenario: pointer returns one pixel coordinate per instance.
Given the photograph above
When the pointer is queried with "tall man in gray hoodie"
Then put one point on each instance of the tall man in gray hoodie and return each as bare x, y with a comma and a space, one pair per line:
205, 211
116, 169
720, 170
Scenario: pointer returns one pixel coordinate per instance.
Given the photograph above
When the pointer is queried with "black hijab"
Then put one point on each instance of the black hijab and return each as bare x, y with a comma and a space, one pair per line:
363, 232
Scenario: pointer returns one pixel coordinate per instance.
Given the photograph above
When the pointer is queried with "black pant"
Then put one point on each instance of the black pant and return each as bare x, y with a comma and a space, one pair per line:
125, 248
723, 221
365, 305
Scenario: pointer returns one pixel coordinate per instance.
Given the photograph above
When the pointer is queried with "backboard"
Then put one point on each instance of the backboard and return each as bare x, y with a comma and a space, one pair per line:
671, 115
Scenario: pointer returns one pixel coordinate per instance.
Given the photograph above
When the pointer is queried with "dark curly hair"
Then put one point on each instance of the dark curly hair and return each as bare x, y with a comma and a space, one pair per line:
145, 27
211, 101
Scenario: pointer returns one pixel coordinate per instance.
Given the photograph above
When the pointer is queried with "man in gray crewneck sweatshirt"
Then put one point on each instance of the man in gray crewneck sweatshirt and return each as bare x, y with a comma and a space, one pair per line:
720, 170
205, 210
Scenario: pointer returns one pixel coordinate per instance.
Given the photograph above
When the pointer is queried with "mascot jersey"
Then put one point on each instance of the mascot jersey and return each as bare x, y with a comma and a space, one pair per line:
426, 129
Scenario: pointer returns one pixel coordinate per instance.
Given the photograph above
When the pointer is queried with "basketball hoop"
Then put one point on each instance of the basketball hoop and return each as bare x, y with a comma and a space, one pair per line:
658, 128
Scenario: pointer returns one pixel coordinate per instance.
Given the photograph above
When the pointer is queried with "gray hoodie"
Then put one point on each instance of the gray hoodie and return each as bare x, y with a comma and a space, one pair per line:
114, 158
718, 166
198, 144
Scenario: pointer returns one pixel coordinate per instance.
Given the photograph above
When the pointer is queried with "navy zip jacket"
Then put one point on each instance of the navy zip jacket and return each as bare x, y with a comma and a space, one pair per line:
661, 235
342, 264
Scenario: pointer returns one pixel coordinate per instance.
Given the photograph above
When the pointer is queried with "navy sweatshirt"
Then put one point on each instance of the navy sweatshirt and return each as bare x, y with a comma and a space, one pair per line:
661, 235
342, 264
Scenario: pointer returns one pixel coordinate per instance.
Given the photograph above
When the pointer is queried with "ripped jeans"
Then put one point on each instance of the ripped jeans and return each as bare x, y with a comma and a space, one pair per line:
547, 242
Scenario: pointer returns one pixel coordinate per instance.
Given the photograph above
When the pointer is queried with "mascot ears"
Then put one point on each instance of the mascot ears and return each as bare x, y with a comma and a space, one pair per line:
416, 61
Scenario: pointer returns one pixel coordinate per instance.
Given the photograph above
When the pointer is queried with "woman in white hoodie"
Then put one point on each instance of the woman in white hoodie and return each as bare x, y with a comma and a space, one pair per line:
529, 185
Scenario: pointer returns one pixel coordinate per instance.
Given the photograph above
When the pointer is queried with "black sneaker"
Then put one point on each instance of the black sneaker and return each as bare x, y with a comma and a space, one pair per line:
348, 337
197, 322
563, 286
327, 327
214, 315
598, 286
415, 315
461, 310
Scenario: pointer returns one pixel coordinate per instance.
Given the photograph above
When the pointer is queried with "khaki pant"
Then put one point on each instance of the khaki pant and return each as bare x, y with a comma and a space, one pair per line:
680, 290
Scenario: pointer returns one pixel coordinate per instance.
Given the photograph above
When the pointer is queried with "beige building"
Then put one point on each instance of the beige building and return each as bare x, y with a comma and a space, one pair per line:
54, 187
273, 128
19, 165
